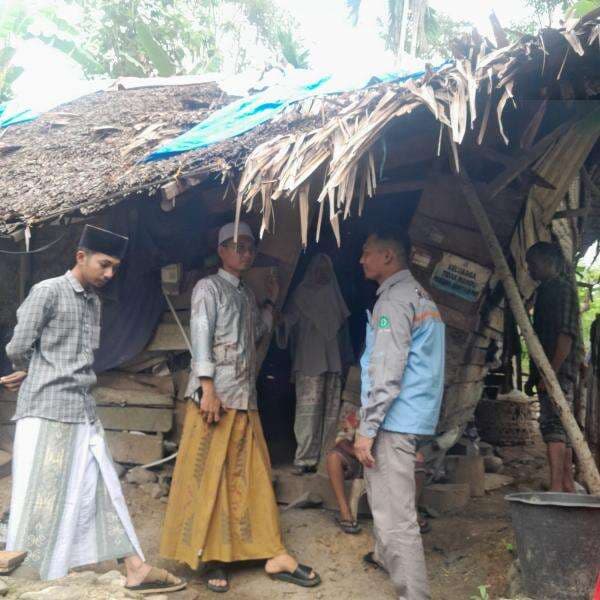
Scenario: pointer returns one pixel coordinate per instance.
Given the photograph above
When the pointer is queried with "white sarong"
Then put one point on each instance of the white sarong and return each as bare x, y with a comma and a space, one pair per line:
67, 507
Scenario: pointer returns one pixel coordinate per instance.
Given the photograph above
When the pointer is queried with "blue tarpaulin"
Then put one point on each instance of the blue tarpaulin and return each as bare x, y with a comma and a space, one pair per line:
245, 114
22, 116
37, 100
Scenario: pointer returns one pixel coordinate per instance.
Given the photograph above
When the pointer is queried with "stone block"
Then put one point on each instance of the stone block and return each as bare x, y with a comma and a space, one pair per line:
469, 470
495, 481
135, 448
289, 488
136, 418
141, 476
446, 498
486, 449
153, 489
493, 464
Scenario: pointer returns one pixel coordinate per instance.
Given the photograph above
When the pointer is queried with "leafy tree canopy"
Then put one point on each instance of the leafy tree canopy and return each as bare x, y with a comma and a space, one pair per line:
151, 37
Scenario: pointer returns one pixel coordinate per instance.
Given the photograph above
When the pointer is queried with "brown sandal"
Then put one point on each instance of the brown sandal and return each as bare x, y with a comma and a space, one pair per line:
157, 581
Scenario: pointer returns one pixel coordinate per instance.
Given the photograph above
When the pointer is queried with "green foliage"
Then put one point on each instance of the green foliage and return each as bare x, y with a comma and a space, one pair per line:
440, 30
589, 299
482, 593
546, 10
159, 58
395, 9
583, 7
428, 31
143, 37
292, 51
549, 13
14, 22
149, 37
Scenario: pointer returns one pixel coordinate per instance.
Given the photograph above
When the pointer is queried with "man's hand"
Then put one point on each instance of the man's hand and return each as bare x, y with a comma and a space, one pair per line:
272, 288
362, 448
211, 408
13, 381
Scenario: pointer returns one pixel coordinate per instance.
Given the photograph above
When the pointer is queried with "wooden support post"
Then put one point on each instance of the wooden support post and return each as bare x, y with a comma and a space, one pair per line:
589, 471
25, 268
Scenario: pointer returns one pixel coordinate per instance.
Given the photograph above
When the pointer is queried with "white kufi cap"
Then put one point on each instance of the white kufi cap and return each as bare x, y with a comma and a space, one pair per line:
228, 231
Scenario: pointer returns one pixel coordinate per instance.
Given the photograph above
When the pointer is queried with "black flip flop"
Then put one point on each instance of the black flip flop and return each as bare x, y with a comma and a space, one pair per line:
369, 558
217, 573
301, 576
351, 527
158, 581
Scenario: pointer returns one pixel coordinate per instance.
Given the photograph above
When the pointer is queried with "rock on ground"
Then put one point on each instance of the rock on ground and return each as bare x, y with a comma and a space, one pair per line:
495, 481
77, 586
493, 464
139, 476
112, 578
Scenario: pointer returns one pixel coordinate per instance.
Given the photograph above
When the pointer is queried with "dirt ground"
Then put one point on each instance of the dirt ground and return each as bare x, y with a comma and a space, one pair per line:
464, 551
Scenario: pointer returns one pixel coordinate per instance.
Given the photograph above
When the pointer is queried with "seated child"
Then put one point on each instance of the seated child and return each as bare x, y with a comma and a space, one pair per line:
342, 465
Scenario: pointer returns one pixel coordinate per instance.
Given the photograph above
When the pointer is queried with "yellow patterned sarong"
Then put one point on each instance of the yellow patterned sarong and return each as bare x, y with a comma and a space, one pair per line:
222, 504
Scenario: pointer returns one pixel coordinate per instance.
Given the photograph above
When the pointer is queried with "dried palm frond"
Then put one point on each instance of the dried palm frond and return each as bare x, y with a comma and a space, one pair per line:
343, 147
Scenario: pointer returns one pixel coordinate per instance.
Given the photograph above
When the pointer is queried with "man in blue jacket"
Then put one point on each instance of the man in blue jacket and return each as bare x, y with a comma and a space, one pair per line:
402, 370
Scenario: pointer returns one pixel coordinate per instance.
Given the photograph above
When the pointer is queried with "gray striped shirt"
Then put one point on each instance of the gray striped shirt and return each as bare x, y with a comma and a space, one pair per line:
225, 327
58, 329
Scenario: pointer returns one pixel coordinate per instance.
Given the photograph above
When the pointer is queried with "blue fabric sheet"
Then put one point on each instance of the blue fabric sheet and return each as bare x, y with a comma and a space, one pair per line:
243, 115
23, 116
37, 100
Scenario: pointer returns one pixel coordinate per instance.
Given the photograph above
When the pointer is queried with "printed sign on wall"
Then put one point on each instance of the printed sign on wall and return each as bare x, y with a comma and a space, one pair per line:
460, 277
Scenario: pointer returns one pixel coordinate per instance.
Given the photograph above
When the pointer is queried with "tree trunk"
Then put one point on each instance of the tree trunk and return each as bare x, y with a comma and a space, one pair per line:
403, 31
587, 465
415, 20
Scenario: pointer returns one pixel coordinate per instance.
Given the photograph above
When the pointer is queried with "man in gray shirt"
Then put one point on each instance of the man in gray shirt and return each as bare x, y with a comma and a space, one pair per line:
67, 506
222, 506
402, 372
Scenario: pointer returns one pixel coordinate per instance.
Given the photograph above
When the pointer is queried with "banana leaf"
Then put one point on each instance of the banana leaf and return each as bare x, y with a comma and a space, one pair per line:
70, 48
154, 51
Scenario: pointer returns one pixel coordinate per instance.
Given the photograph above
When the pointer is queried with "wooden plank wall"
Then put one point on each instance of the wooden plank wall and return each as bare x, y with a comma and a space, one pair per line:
443, 224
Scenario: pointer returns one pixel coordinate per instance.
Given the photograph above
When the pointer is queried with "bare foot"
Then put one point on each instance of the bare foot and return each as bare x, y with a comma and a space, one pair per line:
346, 515
218, 582
216, 576
137, 574
284, 563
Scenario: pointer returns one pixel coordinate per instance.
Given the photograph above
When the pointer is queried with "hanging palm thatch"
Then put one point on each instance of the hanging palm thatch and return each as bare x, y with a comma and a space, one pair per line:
284, 167
85, 156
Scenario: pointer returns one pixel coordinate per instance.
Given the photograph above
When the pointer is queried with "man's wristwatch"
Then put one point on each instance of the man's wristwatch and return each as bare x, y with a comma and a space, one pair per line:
268, 302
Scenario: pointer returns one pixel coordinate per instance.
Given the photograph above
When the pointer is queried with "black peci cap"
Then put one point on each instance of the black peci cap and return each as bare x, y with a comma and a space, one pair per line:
101, 240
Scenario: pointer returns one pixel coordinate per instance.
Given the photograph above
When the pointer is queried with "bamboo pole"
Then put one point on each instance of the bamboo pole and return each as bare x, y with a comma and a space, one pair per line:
588, 468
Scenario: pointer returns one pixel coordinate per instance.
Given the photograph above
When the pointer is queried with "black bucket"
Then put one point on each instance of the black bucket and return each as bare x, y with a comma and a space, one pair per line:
558, 543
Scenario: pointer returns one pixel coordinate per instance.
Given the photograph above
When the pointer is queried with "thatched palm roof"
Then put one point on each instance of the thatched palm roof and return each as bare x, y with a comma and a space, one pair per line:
86, 155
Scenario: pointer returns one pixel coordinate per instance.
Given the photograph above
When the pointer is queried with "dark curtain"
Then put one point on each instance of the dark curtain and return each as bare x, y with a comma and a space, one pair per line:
133, 303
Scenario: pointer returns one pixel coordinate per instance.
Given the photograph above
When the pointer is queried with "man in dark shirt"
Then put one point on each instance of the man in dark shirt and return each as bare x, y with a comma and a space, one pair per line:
556, 322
